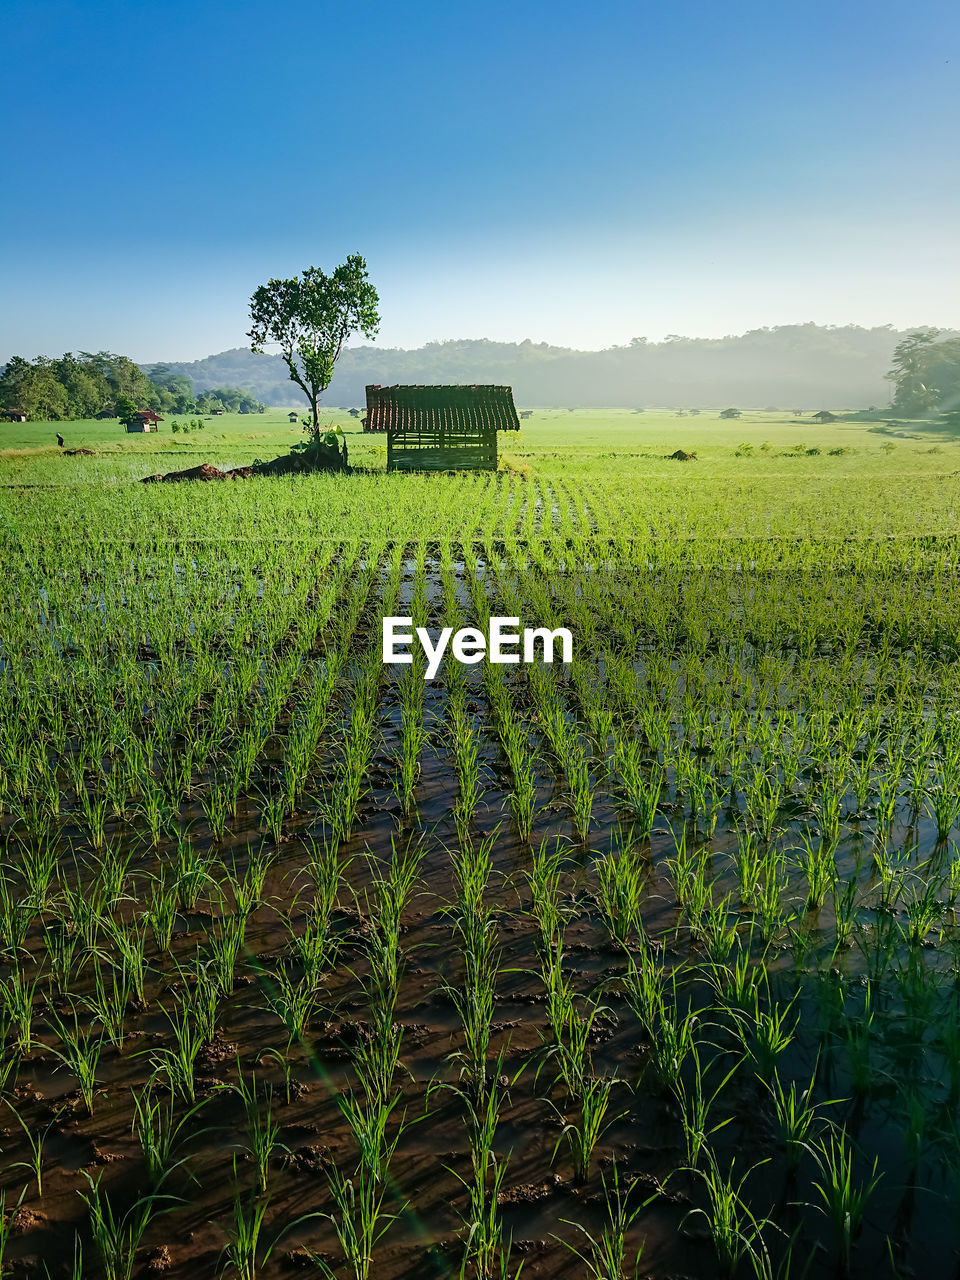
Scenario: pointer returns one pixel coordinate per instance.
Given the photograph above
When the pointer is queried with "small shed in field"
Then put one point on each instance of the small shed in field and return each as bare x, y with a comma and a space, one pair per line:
14, 415
146, 420
441, 428
293, 417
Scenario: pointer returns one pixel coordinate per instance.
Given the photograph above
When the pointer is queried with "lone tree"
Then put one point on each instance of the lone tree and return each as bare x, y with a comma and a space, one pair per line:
310, 317
126, 410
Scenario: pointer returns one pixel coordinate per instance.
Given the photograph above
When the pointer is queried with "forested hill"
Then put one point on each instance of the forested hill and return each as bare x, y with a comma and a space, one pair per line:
805, 366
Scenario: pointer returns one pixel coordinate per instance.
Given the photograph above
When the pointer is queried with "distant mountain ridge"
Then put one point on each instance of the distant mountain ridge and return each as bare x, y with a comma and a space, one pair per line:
809, 366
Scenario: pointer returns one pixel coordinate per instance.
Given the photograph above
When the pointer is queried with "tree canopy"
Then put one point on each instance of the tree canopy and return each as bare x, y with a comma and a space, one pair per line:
926, 373
68, 387
89, 384
310, 317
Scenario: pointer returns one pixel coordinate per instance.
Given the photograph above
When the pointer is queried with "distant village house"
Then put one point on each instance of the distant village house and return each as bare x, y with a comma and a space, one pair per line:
14, 415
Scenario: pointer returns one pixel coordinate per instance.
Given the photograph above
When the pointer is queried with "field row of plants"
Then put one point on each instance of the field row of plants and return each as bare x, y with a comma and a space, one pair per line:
648, 963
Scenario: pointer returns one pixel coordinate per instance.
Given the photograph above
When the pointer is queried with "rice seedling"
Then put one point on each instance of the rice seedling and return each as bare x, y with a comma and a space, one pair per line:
485, 1247
572, 1029
845, 906
620, 881
16, 914
768, 1035
718, 935
108, 1004
641, 794
764, 795
360, 1219
6, 1227
263, 1131
819, 868
93, 815
604, 1255
842, 1198
643, 988
16, 1010
293, 1000
178, 1064
161, 911
377, 1058
695, 1108
156, 812
922, 906
672, 1038
129, 942
386, 899
158, 1132
316, 947
769, 914
226, 941
545, 879
273, 814
243, 1251
796, 1118
80, 1054
217, 807
191, 872
943, 803
117, 1237
38, 864
736, 1233
477, 926
326, 871
584, 1131
35, 1140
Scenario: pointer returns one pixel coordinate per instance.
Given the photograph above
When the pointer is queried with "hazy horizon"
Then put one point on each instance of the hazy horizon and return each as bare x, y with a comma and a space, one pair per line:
511, 172
358, 345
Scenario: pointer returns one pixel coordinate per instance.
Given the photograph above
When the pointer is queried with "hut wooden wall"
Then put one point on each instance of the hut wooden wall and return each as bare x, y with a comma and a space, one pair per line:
428, 450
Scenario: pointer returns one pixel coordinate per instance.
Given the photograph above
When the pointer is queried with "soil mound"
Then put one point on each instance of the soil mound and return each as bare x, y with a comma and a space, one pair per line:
326, 458
205, 471
76, 453
680, 456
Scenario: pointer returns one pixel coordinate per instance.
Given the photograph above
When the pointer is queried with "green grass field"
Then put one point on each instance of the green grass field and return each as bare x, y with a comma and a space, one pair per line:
654, 956
550, 434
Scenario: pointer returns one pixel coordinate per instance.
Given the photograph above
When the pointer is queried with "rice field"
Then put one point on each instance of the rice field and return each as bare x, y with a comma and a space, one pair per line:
648, 965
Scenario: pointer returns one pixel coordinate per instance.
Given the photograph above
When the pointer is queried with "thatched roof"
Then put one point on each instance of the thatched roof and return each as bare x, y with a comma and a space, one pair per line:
464, 408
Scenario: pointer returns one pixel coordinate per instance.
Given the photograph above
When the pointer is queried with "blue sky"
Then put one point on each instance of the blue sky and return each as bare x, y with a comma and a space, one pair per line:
577, 174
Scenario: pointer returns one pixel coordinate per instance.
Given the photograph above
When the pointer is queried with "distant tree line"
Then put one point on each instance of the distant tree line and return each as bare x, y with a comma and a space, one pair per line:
805, 364
90, 385
176, 393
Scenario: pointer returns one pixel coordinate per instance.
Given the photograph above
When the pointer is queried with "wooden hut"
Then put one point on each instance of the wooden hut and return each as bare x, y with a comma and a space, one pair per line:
14, 415
146, 420
293, 417
441, 428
